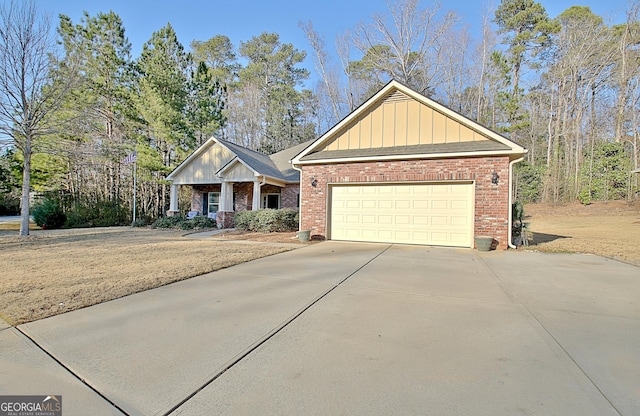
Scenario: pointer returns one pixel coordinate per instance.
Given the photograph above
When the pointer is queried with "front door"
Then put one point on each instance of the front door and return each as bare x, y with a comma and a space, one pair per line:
271, 201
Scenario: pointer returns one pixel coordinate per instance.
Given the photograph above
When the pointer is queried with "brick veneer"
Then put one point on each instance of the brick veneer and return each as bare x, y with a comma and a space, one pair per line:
244, 198
491, 201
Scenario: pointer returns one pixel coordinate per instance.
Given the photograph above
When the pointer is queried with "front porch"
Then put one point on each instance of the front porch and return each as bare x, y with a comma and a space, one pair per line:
222, 200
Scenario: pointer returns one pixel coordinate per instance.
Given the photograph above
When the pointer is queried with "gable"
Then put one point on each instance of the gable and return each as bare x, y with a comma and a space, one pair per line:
203, 166
239, 171
400, 120
399, 123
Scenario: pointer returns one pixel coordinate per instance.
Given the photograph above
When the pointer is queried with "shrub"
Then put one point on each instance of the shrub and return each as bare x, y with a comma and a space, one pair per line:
139, 222
49, 214
244, 219
183, 223
97, 214
168, 222
203, 222
267, 220
9, 205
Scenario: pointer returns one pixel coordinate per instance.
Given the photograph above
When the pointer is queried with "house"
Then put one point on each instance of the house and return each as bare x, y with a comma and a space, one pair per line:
402, 168
226, 178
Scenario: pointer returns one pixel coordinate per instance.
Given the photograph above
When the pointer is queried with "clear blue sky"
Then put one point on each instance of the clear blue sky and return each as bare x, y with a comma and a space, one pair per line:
240, 20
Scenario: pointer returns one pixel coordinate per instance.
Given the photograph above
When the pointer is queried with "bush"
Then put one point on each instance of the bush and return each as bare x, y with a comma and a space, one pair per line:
97, 214
203, 222
139, 222
168, 222
9, 205
267, 220
49, 214
244, 219
183, 223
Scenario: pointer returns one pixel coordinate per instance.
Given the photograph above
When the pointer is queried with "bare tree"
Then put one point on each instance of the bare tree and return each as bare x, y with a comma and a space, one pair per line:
407, 46
328, 74
28, 96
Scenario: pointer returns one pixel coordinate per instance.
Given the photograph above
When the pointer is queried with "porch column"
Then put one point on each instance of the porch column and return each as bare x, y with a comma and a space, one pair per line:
255, 205
173, 201
226, 197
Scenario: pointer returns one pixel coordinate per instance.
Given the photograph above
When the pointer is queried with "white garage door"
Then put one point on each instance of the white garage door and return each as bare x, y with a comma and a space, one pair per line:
429, 214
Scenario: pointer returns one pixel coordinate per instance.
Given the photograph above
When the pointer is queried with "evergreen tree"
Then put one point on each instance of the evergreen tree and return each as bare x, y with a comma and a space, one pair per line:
273, 74
162, 96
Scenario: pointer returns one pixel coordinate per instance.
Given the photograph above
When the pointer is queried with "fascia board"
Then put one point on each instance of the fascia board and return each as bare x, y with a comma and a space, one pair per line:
237, 159
196, 153
405, 157
515, 148
355, 113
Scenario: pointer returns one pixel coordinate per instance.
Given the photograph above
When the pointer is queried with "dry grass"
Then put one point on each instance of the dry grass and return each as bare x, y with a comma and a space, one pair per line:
52, 272
57, 271
607, 229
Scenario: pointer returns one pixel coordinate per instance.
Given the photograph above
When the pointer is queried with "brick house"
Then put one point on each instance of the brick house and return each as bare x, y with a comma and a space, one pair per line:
226, 178
402, 168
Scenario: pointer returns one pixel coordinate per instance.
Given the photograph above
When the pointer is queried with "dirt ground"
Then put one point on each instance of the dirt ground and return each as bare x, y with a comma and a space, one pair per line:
56, 271
609, 229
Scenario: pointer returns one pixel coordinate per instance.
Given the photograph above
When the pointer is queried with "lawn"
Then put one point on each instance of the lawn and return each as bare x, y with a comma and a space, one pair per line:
56, 271
607, 229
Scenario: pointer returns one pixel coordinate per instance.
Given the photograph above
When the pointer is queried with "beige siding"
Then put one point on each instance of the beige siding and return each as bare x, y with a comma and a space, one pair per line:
239, 171
203, 169
401, 121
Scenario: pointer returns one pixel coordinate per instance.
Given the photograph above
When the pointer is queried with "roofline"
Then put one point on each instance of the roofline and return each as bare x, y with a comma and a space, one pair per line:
193, 155
393, 84
410, 156
239, 160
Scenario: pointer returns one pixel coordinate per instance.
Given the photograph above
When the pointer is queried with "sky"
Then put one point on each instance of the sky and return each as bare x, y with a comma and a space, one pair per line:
241, 20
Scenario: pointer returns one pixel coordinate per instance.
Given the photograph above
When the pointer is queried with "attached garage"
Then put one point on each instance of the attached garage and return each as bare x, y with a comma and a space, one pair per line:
404, 169
432, 214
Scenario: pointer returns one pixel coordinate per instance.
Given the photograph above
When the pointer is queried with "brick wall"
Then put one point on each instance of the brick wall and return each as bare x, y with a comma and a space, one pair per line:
491, 203
289, 196
244, 196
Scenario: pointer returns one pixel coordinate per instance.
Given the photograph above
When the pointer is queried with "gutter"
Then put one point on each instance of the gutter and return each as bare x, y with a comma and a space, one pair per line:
509, 236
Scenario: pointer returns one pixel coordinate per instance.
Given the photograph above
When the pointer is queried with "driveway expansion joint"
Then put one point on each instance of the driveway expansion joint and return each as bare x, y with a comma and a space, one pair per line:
69, 370
271, 334
555, 340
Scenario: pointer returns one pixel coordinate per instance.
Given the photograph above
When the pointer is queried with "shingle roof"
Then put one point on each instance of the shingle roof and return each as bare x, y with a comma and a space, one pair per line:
276, 166
424, 149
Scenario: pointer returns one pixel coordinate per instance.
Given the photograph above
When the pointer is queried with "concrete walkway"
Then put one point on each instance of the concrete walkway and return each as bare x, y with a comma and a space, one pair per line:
345, 328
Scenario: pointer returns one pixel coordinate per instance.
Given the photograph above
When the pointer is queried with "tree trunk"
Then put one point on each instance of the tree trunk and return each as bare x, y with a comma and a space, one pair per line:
26, 187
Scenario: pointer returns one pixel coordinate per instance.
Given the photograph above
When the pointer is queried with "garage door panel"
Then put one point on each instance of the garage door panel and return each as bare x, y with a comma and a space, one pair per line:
440, 221
439, 204
435, 214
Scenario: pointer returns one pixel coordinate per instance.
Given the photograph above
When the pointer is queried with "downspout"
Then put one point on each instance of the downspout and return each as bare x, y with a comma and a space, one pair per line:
300, 198
513, 162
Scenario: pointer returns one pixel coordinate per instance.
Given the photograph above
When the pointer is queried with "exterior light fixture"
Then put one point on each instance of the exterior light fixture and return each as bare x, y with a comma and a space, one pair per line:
495, 178
314, 182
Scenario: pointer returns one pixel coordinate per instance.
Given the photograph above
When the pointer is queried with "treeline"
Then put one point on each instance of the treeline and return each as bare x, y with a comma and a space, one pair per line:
566, 88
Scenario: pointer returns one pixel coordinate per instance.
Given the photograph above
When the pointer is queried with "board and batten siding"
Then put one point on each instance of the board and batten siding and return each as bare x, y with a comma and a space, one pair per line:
239, 172
402, 121
202, 169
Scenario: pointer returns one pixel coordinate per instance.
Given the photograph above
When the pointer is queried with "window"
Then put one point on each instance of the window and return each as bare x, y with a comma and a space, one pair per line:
213, 204
271, 201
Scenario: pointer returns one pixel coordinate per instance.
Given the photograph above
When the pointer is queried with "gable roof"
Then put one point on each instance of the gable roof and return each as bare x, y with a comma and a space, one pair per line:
388, 126
276, 166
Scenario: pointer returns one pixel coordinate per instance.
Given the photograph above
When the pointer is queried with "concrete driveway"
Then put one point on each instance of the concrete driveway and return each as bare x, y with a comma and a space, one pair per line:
346, 328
